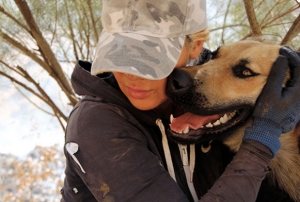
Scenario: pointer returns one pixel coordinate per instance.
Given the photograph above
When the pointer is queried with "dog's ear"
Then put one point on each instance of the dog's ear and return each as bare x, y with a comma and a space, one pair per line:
205, 56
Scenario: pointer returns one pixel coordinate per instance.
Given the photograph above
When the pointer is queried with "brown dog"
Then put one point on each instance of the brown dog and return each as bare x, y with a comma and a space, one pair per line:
219, 97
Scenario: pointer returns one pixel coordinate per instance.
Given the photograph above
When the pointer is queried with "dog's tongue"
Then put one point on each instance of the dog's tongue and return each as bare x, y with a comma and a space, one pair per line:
191, 120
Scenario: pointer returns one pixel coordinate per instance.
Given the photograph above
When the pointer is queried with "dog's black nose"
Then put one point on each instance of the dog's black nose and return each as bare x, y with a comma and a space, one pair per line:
179, 82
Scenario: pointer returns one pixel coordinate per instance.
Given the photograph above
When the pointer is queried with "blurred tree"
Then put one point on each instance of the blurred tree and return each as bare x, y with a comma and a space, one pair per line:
233, 20
36, 177
52, 34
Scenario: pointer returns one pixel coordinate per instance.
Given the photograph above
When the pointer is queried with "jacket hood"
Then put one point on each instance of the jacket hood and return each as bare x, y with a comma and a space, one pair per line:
106, 87
86, 84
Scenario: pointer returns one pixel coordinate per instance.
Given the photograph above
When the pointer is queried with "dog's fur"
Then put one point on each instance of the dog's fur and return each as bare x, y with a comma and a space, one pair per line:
232, 80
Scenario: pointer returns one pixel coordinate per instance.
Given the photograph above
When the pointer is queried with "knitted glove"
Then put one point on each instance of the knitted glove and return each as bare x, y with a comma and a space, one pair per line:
277, 109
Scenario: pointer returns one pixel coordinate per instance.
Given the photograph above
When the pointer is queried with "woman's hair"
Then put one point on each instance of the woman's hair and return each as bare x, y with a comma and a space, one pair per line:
203, 35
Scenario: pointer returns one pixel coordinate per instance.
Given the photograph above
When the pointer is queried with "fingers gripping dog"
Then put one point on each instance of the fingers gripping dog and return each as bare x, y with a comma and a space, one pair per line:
277, 109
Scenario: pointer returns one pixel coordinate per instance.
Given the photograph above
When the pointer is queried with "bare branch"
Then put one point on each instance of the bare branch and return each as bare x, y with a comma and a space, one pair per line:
35, 58
293, 31
29, 100
228, 26
278, 17
93, 20
60, 122
26, 52
272, 20
43, 95
15, 20
47, 52
43, 110
268, 13
254, 25
87, 33
21, 84
11, 68
224, 21
70, 26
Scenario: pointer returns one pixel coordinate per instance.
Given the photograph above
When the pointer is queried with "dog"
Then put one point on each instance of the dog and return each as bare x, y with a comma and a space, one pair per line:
218, 98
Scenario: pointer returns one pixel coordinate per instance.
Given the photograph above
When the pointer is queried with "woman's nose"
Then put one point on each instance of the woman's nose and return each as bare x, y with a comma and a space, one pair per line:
132, 77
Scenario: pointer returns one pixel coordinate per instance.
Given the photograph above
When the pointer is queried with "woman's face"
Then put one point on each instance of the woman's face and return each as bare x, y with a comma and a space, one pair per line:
143, 94
147, 94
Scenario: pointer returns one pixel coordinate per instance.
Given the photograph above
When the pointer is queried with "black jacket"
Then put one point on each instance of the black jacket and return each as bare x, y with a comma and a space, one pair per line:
120, 155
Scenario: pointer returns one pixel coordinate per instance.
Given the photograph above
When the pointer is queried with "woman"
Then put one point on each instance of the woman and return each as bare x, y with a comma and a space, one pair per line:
116, 148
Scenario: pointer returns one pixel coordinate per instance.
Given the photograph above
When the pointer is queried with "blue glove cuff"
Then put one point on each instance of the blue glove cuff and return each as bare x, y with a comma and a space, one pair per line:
266, 132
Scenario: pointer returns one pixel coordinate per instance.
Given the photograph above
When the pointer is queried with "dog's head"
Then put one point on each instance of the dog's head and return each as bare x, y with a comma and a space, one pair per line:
220, 94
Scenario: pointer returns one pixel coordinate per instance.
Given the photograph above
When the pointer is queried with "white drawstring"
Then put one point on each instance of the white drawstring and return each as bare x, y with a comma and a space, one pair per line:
189, 166
166, 149
192, 160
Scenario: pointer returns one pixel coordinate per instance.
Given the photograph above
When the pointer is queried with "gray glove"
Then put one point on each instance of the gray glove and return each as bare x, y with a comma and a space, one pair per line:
277, 109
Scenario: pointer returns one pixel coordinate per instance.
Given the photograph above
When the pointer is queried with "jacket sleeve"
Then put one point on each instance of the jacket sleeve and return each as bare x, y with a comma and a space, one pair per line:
243, 176
113, 159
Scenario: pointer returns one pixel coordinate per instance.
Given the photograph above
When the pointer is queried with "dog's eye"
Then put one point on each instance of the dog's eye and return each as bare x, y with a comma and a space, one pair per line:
247, 72
242, 71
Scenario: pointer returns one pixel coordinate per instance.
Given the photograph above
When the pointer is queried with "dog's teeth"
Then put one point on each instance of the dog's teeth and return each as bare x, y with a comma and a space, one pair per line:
224, 118
186, 130
217, 123
232, 114
171, 118
180, 132
209, 125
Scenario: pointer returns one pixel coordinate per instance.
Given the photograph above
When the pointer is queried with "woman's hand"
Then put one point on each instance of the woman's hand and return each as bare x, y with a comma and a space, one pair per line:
277, 108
